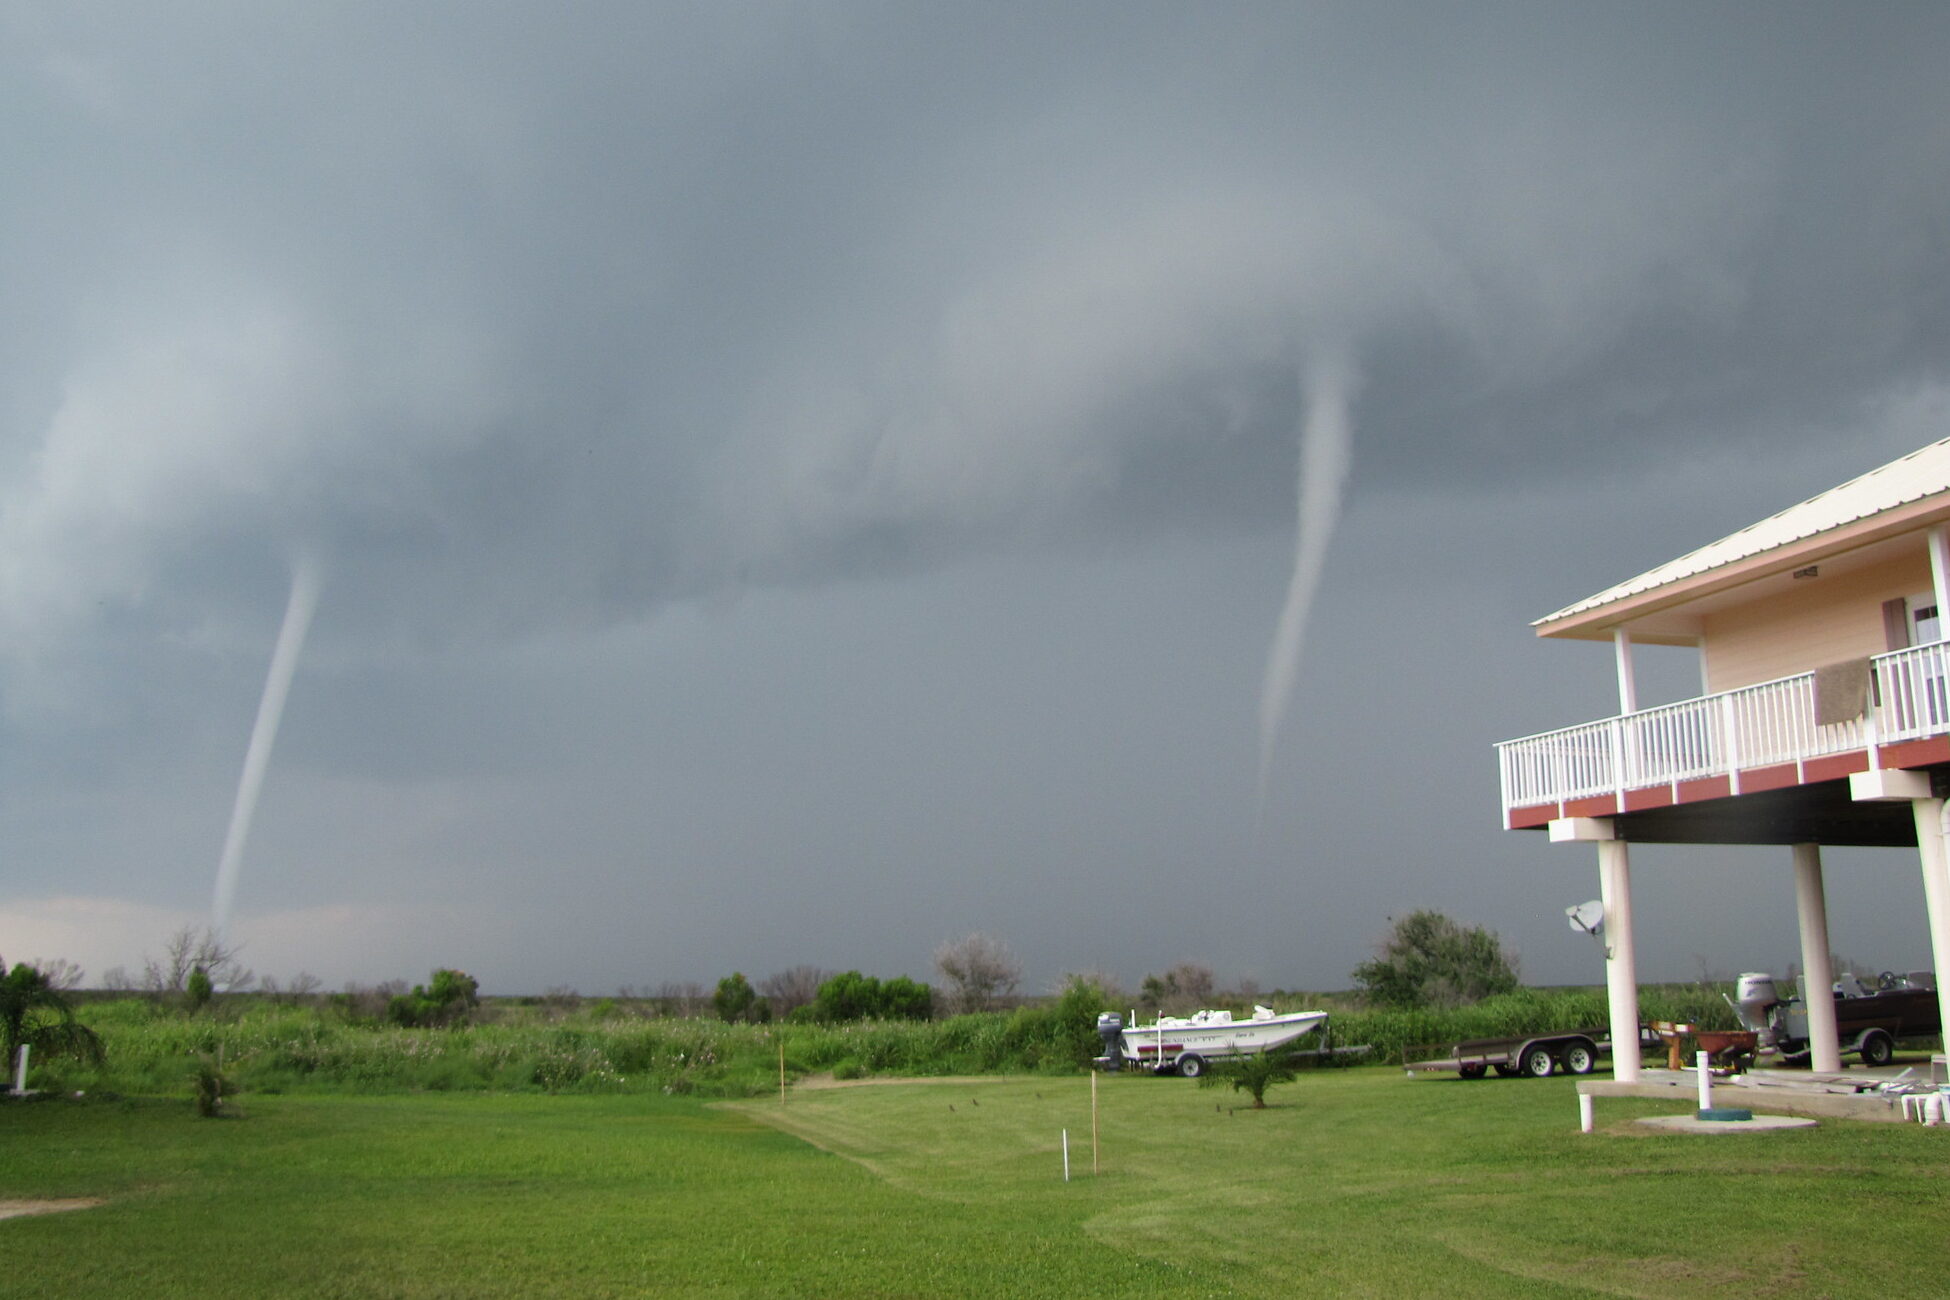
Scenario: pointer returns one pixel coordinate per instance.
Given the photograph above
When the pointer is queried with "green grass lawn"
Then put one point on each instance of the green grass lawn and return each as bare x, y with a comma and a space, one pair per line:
1352, 1182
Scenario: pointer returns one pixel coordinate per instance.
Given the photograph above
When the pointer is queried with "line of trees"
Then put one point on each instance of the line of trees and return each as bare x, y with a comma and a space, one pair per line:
1424, 960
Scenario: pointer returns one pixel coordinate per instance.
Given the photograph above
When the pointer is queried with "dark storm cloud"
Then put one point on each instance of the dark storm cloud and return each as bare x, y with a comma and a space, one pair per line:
539, 322
535, 316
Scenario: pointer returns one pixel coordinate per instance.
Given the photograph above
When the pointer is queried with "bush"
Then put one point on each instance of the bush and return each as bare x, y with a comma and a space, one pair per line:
35, 1013
1429, 960
851, 996
736, 1000
446, 1001
198, 990
210, 1085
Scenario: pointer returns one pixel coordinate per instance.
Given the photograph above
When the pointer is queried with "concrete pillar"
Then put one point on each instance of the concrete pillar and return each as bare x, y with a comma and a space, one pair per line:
1628, 684
1621, 962
1936, 890
1940, 575
1818, 970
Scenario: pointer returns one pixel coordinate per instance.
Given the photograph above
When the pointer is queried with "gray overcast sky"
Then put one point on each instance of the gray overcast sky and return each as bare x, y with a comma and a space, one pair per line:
798, 482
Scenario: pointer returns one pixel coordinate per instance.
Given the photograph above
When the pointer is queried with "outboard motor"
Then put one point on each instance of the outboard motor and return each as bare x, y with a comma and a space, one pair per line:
1757, 1002
1110, 1028
1754, 996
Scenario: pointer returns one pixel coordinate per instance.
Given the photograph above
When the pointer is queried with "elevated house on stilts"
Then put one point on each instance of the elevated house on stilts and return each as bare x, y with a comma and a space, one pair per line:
1823, 718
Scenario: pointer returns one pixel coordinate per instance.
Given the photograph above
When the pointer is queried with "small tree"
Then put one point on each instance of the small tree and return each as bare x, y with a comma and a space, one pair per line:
679, 998
1429, 960
198, 991
36, 1014
978, 969
188, 949
446, 1000
737, 1000
788, 990
1186, 985
904, 999
853, 996
60, 973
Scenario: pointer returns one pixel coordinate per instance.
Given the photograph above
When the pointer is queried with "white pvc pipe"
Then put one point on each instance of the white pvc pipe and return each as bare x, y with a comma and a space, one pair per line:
1584, 1112
20, 1069
1705, 1081
1066, 1155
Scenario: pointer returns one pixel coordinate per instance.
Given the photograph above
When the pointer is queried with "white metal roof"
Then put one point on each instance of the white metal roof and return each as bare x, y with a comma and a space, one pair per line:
1923, 473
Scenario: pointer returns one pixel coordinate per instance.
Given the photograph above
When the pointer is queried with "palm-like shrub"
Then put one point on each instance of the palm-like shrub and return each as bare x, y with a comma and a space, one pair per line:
1253, 1074
36, 1014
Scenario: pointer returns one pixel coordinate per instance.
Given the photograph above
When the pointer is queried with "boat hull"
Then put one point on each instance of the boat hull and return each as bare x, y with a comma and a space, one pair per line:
1166, 1043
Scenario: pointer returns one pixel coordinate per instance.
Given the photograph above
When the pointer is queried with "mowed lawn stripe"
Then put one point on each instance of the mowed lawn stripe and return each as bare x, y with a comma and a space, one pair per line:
477, 1195
1364, 1182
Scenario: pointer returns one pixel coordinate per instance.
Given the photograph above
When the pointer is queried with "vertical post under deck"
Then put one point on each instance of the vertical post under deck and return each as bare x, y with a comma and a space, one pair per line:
1621, 963
1940, 573
1628, 685
1936, 891
1818, 969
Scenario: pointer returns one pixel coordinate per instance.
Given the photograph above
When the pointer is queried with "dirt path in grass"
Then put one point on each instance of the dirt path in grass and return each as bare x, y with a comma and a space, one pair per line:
20, 1209
820, 1082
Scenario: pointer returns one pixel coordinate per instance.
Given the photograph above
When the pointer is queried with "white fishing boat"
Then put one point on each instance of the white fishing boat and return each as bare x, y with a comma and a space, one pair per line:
1187, 1043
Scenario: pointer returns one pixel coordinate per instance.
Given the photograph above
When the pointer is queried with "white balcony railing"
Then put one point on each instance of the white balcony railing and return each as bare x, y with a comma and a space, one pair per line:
1717, 735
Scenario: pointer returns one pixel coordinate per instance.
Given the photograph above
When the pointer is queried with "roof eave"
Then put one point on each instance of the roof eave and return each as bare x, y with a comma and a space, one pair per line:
1598, 622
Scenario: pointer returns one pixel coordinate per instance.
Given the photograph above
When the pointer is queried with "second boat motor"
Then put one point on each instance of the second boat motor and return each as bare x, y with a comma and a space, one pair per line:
1110, 1028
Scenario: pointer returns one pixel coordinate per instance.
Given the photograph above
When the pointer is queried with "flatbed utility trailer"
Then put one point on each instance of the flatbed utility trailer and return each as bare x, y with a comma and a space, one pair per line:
1536, 1056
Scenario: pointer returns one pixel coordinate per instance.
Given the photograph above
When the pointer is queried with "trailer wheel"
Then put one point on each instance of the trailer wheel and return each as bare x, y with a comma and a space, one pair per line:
1877, 1048
1190, 1066
1580, 1057
1537, 1062
1506, 1070
1474, 1070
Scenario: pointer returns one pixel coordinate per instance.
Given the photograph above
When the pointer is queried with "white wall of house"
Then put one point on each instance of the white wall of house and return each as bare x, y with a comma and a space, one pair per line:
1816, 621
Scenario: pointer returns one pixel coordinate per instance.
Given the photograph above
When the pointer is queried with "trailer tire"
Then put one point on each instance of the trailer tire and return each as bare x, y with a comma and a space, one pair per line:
1190, 1066
1474, 1070
1876, 1048
1537, 1062
1580, 1056
1505, 1070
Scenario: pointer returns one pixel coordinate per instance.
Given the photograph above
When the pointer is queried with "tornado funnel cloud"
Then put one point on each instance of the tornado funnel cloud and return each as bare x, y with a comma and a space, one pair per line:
264, 733
1325, 453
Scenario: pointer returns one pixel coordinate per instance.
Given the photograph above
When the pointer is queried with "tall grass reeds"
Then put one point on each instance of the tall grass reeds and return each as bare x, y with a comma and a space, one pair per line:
273, 1047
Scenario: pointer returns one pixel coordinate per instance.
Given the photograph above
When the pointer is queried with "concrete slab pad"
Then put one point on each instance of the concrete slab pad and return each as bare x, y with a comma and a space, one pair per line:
1758, 1124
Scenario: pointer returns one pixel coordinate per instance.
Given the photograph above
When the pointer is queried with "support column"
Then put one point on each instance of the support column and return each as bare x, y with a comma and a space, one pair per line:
1940, 574
1628, 685
1621, 962
1818, 969
1936, 890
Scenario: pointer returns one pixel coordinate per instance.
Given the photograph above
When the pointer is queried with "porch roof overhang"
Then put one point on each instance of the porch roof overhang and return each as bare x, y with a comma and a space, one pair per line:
1857, 523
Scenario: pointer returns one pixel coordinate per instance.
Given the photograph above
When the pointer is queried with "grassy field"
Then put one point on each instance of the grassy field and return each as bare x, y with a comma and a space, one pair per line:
1357, 1182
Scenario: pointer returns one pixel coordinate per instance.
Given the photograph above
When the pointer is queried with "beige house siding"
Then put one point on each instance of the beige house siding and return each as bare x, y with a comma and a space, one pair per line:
1818, 621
